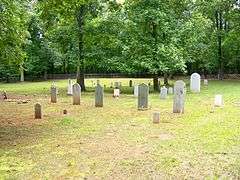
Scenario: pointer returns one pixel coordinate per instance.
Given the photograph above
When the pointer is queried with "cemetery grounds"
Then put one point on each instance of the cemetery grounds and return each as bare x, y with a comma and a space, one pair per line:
118, 141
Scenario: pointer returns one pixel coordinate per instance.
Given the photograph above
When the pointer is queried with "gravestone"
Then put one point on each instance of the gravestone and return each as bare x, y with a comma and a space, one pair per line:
38, 111
156, 117
195, 82
5, 95
136, 90
99, 96
170, 90
205, 82
130, 83
76, 94
163, 93
218, 102
143, 91
179, 97
116, 93
53, 94
70, 91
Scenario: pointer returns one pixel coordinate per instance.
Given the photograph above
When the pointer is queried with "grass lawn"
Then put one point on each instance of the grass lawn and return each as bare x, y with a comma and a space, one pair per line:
117, 141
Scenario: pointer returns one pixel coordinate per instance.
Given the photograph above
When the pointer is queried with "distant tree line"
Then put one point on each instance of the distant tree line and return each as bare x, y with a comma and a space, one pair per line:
131, 36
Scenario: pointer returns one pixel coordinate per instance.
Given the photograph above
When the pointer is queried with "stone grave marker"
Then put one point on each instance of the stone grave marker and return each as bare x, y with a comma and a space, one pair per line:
143, 91
76, 94
205, 82
38, 111
156, 117
99, 96
195, 83
116, 93
179, 97
53, 94
136, 90
70, 87
218, 102
170, 90
163, 93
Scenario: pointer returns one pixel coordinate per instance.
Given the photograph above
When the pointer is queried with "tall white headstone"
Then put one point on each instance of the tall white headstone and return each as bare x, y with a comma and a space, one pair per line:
218, 102
195, 82
70, 87
116, 93
136, 90
205, 82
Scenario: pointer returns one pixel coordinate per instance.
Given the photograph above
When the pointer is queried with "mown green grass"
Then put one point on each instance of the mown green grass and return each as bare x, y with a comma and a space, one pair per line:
117, 141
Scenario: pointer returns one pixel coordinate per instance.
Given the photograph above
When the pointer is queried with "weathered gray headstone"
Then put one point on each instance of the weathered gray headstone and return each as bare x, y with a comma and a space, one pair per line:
163, 93
136, 90
130, 83
205, 82
99, 96
170, 90
143, 91
156, 117
179, 97
38, 111
70, 91
53, 94
76, 94
195, 82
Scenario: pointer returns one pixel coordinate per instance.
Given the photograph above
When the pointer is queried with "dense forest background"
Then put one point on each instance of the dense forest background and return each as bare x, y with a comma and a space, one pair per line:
130, 36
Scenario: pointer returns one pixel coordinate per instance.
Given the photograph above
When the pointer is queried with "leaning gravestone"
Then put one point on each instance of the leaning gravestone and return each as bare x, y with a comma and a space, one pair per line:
170, 90
136, 90
143, 91
70, 90
99, 96
179, 97
53, 94
195, 82
163, 93
76, 94
38, 111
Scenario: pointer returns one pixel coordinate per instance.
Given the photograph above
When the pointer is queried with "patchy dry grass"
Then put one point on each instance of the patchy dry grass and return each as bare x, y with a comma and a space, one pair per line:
117, 141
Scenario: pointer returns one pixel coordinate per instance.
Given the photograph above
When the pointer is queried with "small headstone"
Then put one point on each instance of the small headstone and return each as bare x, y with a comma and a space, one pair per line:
116, 93
99, 96
156, 117
205, 82
163, 93
65, 111
143, 91
70, 90
195, 82
130, 83
218, 102
38, 111
136, 90
76, 94
5, 95
170, 90
179, 97
53, 94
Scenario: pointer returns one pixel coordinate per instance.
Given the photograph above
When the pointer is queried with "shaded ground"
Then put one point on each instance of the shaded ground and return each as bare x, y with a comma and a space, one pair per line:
117, 141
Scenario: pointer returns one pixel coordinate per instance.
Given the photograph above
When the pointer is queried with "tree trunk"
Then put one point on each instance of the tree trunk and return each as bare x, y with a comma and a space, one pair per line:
22, 74
156, 84
81, 68
166, 79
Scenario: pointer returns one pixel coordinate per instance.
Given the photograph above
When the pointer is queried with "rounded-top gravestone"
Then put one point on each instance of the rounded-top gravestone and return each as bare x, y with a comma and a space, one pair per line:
143, 91
195, 82
163, 93
99, 96
76, 94
38, 111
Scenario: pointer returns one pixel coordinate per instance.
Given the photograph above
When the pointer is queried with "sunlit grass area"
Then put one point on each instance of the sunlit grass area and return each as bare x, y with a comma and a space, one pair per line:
118, 141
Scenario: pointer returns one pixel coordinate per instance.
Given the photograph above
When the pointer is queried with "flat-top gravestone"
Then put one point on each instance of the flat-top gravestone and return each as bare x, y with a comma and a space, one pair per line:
136, 90
205, 82
143, 91
163, 93
156, 117
130, 83
218, 102
195, 82
38, 111
170, 90
76, 94
99, 96
179, 97
116, 93
53, 94
70, 88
